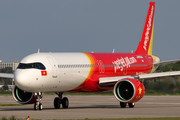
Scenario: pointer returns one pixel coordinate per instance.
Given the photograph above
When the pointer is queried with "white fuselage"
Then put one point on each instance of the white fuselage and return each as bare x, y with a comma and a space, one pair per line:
57, 78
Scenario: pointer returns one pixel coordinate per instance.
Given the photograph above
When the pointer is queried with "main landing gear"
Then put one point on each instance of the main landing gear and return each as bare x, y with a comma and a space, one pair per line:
61, 100
38, 104
123, 105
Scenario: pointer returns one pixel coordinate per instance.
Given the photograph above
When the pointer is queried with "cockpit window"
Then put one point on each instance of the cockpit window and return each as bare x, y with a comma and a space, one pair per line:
31, 65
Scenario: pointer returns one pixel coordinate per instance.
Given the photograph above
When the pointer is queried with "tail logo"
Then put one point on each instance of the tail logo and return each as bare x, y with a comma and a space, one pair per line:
148, 29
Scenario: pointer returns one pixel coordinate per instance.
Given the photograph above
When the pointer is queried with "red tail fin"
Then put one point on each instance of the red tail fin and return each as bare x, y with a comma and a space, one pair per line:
145, 45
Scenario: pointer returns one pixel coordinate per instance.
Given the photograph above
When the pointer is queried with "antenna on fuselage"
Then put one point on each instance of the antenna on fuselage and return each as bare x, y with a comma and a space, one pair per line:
38, 50
113, 50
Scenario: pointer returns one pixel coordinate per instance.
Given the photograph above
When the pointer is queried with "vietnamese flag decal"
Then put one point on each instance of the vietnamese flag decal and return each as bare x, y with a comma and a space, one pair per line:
44, 73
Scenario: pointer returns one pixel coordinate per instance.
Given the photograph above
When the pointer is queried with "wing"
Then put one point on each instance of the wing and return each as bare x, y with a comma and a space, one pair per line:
104, 81
6, 75
169, 61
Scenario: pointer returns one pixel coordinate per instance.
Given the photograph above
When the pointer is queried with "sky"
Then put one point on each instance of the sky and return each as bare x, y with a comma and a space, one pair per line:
85, 26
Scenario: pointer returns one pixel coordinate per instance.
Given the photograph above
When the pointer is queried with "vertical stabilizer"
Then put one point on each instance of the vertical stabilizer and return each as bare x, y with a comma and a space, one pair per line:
146, 43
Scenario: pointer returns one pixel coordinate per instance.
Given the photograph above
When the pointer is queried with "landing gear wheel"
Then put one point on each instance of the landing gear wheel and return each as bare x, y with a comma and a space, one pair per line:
35, 106
60, 100
131, 105
40, 106
123, 105
57, 103
65, 102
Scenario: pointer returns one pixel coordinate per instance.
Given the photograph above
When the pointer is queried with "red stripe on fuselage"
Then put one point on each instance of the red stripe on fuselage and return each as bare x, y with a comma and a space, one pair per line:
113, 64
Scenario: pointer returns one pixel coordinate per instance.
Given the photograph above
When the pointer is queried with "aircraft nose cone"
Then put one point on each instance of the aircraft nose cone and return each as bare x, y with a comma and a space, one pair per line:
20, 79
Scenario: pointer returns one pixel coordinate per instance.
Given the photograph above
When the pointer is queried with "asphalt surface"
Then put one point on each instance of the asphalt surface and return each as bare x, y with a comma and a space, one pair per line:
82, 107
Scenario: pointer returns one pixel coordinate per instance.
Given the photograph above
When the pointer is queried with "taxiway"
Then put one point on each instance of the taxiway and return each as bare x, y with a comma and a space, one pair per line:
96, 106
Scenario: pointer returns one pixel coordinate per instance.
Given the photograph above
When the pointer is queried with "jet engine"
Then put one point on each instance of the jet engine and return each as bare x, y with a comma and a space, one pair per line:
129, 90
23, 97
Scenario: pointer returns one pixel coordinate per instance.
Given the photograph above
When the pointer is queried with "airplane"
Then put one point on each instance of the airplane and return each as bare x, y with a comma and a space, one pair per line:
121, 73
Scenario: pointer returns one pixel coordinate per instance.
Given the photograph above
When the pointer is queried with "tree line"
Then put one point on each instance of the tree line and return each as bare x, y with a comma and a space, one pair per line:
5, 81
166, 85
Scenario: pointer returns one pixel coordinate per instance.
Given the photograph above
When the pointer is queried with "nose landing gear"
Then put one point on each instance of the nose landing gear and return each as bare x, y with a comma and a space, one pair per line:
60, 100
38, 104
57, 101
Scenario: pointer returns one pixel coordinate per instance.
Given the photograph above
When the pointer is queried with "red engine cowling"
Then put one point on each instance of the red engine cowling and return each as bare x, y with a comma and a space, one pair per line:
23, 97
129, 90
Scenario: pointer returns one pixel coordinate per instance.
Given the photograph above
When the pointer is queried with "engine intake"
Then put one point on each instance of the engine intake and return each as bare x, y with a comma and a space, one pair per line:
23, 97
129, 90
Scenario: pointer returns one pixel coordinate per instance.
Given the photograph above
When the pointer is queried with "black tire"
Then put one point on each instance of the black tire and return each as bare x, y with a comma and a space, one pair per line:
131, 105
123, 105
57, 103
35, 106
65, 102
40, 106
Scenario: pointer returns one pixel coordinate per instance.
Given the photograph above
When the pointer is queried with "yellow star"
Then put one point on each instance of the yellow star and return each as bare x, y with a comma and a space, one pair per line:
140, 90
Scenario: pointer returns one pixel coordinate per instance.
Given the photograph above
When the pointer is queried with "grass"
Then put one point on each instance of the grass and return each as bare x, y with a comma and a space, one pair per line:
177, 118
165, 118
11, 104
5, 93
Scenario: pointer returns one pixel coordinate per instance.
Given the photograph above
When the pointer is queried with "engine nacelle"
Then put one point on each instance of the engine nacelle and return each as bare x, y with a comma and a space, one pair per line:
23, 97
129, 90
